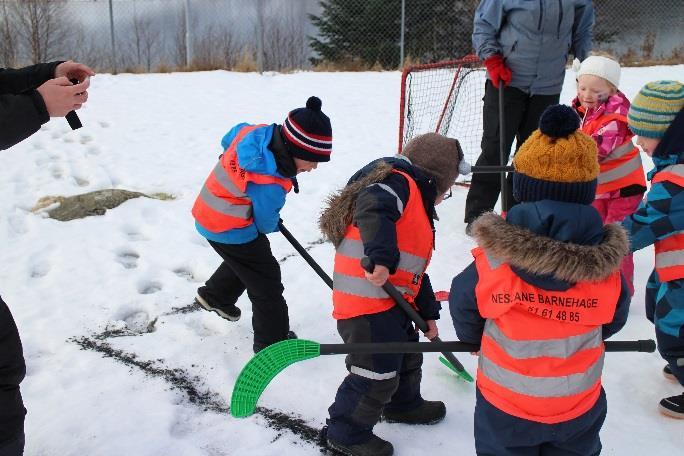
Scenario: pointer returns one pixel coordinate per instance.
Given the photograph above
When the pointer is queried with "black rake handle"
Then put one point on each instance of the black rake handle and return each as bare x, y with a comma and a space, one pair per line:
302, 251
644, 346
368, 265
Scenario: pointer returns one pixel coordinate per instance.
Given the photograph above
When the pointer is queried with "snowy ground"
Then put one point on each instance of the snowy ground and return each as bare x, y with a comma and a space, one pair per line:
103, 282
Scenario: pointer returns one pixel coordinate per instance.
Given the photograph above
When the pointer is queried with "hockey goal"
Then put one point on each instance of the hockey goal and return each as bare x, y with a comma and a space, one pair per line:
446, 98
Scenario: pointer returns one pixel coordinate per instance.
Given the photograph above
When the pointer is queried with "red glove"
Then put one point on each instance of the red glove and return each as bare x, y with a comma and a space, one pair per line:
497, 70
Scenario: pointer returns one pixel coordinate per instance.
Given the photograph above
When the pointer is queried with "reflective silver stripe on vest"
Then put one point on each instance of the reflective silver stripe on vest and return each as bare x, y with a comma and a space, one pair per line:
358, 286
372, 375
669, 259
680, 362
388, 189
556, 348
243, 211
545, 387
222, 177
620, 151
621, 171
353, 248
675, 169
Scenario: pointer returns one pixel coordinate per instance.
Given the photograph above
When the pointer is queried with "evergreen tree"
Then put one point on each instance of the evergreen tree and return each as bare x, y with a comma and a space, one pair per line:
368, 31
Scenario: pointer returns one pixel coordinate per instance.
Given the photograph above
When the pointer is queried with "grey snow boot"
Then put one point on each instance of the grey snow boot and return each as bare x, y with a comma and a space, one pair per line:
429, 412
374, 447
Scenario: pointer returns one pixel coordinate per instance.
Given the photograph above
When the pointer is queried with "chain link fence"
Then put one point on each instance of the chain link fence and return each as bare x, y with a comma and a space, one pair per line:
281, 35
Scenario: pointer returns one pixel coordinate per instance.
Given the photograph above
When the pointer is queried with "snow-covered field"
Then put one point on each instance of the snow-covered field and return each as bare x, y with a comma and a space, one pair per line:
157, 381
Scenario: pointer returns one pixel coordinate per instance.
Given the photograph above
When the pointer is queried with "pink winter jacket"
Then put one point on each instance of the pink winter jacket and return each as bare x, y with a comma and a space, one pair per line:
613, 134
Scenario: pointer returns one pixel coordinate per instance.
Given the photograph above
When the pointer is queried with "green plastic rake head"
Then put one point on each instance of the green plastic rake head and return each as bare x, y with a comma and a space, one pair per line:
260, 370
269, 362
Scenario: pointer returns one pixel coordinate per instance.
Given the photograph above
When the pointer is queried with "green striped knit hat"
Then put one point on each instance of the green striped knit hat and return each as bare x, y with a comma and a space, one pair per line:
655, 107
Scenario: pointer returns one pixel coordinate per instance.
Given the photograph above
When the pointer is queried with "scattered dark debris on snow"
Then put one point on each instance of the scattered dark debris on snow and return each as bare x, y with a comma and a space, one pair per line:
194, 307
189, 384
309, 246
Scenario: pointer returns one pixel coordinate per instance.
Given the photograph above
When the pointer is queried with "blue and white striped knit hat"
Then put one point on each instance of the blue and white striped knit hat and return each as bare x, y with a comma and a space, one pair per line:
655, 107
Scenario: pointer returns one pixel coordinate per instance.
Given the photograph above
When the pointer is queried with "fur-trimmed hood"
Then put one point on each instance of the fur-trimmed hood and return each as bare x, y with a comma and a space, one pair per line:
544, 256
339, 207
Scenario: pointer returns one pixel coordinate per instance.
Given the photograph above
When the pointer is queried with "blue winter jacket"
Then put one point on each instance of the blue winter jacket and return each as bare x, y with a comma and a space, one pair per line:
267, 199
535, 38
566, 222
660, 215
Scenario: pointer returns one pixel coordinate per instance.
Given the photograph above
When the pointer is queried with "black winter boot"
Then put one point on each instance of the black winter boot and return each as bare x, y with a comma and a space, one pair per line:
257, 347
667, 372
429, 412
673, 406
374, 447
231, 313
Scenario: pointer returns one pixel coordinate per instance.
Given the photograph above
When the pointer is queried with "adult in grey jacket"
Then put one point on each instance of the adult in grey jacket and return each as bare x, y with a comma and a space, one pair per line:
28, 98
525, 44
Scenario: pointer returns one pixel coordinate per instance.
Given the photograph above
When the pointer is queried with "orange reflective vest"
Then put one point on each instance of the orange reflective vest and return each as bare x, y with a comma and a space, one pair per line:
622, 167
222, 204
542, 352
669, 252
353, 294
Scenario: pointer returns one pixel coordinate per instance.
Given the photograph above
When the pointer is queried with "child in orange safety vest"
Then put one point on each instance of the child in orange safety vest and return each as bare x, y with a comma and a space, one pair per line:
657, 118
386, 213
543, 293
603, 110
240, 203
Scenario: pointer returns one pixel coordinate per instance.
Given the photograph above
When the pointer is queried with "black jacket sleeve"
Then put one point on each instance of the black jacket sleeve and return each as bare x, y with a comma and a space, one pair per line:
428, 306
20, 117
621, 311
22, 109
378, 208
28, 78
468, 322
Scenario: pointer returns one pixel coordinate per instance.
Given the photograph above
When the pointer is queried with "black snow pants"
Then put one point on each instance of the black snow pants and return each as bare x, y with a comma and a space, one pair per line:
12, 371
252, 267
521, 116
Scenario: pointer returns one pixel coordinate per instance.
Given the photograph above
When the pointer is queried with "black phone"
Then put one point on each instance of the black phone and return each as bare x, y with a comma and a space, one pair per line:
72, 117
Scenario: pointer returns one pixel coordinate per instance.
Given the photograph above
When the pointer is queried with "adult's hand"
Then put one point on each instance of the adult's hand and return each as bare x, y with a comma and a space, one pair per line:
60, 96
497, 69
73, 70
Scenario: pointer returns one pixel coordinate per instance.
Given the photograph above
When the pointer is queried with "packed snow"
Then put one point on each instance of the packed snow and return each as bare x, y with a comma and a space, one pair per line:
119, 363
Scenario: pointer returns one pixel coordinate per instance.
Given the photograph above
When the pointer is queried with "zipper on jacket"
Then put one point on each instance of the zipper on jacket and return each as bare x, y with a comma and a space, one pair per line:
560, 18
541, 14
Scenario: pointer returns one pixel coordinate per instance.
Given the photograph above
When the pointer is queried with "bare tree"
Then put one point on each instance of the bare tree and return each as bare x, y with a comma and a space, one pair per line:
285, 45
180, 50
43, 27
83, 48
8, 44
227, 47
145, 41
214, 48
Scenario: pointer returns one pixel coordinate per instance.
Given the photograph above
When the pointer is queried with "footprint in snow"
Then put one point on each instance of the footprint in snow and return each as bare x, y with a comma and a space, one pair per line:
149, 287
39, 270
185, 273
128, 259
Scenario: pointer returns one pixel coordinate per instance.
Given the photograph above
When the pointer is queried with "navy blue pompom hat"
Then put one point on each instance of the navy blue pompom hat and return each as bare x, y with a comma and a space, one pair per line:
557, 162
308, 133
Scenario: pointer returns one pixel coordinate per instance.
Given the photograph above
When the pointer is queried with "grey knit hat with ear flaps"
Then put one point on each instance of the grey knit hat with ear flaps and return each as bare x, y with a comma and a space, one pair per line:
438, 155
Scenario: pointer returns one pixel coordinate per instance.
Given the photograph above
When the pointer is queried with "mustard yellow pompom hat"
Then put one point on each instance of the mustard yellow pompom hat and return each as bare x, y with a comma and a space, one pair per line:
557, 162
